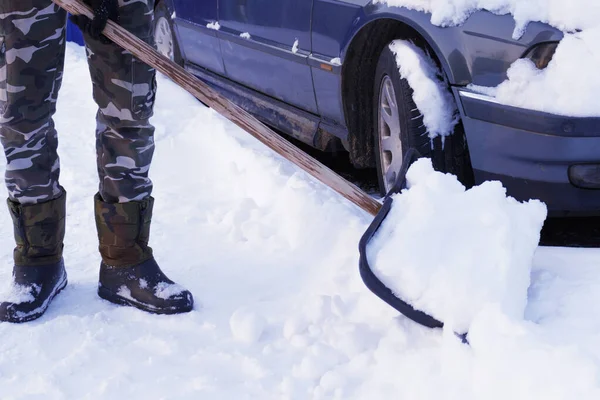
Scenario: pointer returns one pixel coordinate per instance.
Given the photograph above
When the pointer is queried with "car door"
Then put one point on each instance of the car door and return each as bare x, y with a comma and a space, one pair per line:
331, 23
195, 21
265, 45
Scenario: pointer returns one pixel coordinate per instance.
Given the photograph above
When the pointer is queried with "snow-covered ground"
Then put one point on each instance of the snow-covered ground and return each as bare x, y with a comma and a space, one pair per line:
272, 257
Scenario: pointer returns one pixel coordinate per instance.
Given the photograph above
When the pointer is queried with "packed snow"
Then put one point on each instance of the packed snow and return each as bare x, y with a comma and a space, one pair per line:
430, 92
295, 46
272, 257
571, 83
450, 252
245, 35
336, 61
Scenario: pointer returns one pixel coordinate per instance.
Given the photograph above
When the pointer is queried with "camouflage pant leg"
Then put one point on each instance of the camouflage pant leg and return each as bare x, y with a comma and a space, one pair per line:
32, 43
124, 89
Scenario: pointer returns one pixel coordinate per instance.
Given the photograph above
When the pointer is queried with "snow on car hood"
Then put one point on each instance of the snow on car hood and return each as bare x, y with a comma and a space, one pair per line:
570, 84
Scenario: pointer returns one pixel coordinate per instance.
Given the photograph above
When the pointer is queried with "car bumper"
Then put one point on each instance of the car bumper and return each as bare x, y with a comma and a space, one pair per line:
535, 155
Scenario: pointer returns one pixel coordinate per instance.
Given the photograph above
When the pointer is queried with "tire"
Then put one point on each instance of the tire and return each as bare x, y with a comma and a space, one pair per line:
403, 128
164, 34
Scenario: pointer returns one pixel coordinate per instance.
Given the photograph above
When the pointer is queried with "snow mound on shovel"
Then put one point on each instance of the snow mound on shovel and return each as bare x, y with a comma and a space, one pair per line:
449, 252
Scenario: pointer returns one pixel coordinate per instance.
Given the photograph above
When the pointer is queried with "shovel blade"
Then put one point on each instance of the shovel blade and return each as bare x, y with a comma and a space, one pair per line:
372, 282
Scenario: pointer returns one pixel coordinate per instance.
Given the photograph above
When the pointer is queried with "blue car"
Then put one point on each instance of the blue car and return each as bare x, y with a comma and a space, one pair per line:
321, 71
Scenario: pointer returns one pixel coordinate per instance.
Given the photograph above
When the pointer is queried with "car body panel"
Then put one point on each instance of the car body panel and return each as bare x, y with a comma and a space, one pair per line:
531, 152
267, 61
478, 52
198, 43
299, 124
327, 38
465, 51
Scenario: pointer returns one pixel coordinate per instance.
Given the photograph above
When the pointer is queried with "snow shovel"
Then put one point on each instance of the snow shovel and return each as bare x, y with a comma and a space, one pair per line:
267, 136
369, 278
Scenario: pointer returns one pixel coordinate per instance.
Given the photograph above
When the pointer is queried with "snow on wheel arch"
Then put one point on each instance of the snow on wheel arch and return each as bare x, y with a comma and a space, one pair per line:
430, 92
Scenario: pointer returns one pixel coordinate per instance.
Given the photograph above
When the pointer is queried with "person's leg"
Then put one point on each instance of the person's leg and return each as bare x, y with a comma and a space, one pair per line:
32, 45
124, 89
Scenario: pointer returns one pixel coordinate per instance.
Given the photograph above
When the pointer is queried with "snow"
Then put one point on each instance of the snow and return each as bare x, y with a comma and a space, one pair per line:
252, 236
568, 86
295, 46
165, 290
19, 293
246, 325
450, 252
245, 35
336, 61
214, 25
125, 292
430, 92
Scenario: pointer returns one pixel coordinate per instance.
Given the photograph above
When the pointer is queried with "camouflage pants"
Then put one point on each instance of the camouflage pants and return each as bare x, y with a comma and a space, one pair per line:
32, 47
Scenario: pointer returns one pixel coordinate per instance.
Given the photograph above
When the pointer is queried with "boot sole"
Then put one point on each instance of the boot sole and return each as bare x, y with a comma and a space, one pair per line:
44, 307
122, 301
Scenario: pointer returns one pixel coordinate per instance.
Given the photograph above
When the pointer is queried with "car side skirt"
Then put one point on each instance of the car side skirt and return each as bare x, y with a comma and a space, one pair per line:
299, 124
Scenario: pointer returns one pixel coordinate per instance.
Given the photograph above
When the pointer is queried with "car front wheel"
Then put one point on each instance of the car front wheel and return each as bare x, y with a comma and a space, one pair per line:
164, 35
398, 122
399, 126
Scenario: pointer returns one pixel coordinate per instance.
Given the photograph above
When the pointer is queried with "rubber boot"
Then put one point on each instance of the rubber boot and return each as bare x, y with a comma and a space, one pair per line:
39, 272
129, 275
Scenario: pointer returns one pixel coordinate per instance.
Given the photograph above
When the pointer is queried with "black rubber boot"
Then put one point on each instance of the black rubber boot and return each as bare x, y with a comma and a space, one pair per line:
144, 286
129, 275
32, 291
39, 272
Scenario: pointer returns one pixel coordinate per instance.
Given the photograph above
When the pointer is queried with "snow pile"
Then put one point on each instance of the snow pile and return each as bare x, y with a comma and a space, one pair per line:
430, 93
570, 84
564, 15
449, 251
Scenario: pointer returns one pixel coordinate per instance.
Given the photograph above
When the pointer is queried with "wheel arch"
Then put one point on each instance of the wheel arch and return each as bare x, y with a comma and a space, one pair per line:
168, 3
361, 53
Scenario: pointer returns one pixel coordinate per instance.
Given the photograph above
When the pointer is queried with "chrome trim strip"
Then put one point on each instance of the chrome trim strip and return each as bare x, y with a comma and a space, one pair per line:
479, 96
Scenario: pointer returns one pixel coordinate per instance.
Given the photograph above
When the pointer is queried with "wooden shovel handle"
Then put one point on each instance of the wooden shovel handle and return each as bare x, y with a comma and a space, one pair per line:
229, 110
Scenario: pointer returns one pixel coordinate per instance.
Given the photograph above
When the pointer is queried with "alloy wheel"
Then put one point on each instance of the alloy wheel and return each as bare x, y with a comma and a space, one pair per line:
163, 37
390, 143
